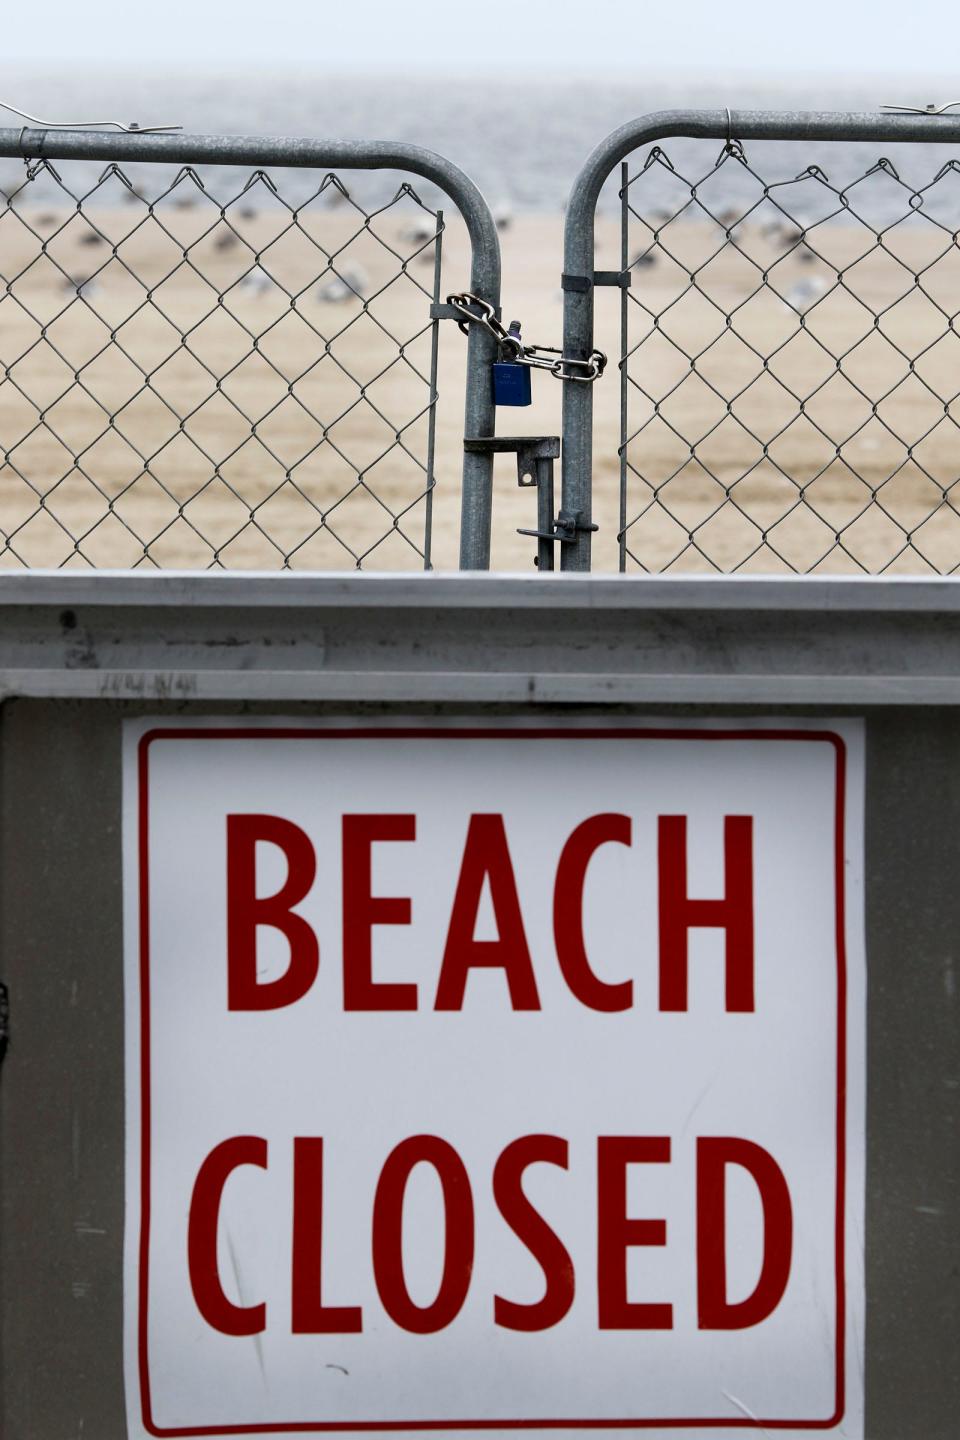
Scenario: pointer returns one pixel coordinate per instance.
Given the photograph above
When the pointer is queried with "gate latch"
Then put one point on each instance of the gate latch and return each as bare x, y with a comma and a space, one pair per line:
535, 456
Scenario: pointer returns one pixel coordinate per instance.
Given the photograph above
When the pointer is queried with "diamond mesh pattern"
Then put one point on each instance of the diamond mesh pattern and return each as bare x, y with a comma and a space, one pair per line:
199, 381
792, 364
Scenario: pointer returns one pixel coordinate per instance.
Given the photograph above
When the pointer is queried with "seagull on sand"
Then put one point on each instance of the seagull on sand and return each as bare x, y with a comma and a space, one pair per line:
350, 284
76, 285
256, 282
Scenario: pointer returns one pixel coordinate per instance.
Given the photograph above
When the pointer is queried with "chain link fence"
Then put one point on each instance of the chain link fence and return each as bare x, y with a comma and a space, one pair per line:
214, 354
202, 370
791, 357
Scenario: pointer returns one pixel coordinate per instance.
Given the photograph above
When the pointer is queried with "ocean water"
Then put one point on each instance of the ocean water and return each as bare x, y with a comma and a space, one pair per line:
522, 139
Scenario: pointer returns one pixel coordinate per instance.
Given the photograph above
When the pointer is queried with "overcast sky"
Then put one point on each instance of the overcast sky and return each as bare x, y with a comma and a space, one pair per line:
778, 36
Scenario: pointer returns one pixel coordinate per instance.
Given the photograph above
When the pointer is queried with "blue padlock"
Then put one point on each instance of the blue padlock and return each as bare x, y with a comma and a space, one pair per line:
511, 381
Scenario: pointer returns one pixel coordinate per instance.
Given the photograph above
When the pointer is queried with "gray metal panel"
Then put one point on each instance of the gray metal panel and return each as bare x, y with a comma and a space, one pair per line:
913, 1075
61, 1091
61, 1097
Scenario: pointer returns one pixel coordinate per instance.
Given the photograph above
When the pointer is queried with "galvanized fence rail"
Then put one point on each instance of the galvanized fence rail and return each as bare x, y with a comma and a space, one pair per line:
207, 369
788, 351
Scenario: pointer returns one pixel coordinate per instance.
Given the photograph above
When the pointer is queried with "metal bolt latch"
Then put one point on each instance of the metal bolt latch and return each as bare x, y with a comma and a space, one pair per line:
535, 456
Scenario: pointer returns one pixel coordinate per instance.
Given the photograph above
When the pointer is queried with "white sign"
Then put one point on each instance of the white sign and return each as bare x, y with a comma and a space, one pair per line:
484, 1075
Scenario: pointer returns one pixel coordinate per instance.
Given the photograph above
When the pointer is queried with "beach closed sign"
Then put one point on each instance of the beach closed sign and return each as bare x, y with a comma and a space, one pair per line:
493, 1076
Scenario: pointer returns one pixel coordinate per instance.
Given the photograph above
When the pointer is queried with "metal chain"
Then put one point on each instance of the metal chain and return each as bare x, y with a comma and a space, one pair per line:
538, 357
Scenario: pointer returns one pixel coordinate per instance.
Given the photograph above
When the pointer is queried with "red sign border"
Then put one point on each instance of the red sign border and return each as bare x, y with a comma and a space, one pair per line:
463, 733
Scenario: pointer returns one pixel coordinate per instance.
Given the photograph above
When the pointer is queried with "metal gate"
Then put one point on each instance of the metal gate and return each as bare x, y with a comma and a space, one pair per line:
217, 367
787, 350
197, 359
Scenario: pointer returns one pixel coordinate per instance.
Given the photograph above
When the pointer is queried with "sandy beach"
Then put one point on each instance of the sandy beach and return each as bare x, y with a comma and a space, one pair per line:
252, 446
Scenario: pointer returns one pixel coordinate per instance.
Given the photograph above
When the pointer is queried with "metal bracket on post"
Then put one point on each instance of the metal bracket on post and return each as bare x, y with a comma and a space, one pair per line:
535, 456
581, 284
439, 311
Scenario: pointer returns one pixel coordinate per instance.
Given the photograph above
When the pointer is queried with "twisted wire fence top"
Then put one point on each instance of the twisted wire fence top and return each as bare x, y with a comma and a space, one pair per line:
791, 353
209, 373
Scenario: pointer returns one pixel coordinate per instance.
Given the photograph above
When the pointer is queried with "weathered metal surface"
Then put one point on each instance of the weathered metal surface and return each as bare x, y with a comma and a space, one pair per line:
61, 1096
569, 640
